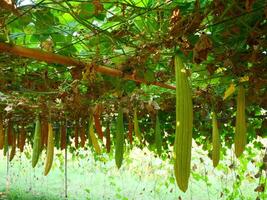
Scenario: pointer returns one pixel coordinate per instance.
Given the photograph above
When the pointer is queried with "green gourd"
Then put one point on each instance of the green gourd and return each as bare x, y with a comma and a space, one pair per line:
215, 141
93, 137
36, 142
184, 126
119, 145
50, 150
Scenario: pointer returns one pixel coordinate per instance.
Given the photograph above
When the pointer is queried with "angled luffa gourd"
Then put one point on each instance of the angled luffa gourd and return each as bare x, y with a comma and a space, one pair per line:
36, 142
184, 126
240, 138
93, 137
50, 150
119, 145
215, 141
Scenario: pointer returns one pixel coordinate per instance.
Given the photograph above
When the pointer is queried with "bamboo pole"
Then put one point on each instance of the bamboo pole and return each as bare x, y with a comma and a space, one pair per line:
49, 57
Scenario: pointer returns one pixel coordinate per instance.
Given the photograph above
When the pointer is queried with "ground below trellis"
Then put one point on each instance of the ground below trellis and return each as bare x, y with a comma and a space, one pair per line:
142, 176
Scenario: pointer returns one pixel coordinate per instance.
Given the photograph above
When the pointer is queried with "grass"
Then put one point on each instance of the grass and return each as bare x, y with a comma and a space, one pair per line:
142, 176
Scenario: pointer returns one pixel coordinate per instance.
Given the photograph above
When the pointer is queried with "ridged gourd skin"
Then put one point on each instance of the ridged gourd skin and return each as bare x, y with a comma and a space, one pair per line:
36, 142
119, 145
158, 137
2, 133
50, 150
93, 137
240, 139
136, 126
215, 141
184, 126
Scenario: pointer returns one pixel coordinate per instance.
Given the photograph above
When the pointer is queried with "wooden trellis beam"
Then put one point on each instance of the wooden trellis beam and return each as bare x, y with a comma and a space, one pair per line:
49, 57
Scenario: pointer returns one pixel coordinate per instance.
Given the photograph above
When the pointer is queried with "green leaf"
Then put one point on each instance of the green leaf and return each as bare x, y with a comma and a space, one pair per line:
149, 76
86, 10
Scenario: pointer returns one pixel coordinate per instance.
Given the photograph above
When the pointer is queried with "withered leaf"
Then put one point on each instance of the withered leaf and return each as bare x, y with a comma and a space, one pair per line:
202, 48
260, 188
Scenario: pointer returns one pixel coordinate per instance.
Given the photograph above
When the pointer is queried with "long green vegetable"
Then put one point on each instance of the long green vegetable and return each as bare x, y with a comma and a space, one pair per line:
50, 149
119, 139
215, 141
184, 126
36, 142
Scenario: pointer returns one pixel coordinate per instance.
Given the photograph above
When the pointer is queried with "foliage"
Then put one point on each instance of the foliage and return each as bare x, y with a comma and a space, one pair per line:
223, 44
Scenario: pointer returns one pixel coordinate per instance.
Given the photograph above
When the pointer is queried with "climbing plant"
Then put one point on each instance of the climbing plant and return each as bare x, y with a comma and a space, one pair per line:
75, 65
